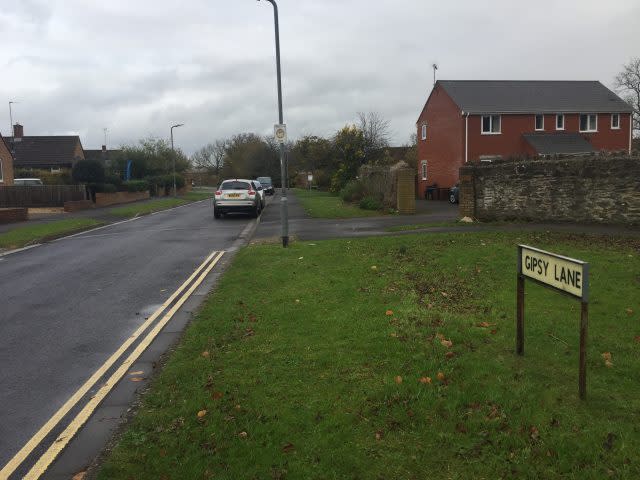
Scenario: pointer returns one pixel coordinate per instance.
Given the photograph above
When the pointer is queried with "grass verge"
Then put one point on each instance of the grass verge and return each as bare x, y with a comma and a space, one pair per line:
28, 235
147, 207
335, 362
325, 205
194, 196
418, 226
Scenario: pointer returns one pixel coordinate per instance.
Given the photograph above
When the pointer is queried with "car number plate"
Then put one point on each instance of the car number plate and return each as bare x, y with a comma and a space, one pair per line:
233, 195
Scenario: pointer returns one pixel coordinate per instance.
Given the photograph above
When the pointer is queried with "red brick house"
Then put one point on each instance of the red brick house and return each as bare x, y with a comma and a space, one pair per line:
471, 121
6, 164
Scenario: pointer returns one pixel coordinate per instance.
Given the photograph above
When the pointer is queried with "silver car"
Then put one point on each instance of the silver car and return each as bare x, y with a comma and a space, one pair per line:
237, 196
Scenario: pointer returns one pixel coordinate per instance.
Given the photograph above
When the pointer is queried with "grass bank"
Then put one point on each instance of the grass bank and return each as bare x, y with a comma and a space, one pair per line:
394, 358
325, 205
419, 226
28, 235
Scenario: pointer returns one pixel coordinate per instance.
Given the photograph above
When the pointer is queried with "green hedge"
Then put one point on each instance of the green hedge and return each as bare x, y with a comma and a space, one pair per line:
353, 191
370, 203
135, 186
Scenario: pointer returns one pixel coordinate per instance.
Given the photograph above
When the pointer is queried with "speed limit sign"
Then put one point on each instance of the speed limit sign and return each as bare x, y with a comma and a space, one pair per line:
280, 132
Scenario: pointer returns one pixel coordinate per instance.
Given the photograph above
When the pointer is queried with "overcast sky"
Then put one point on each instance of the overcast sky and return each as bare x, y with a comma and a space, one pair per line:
137, 67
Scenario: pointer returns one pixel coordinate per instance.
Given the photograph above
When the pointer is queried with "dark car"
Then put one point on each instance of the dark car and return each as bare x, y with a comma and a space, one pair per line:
267, 184
454, 194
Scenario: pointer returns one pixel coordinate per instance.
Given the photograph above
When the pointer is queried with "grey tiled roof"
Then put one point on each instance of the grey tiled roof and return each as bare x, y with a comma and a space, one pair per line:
514, 96
44, 151
558, 143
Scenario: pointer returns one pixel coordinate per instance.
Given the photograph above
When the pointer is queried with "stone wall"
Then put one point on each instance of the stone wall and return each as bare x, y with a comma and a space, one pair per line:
592, 189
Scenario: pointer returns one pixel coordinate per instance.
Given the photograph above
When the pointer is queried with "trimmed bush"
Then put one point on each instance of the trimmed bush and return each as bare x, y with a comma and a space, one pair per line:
102, 188
353, 191
113, 179
88, 171
135, 186
370, 203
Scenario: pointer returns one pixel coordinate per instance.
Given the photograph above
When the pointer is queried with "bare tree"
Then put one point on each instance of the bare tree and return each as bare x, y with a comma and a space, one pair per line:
628, 84
211, 156
376, 134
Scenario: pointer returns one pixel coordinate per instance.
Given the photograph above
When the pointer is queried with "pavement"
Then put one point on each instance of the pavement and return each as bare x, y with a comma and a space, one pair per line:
69, 304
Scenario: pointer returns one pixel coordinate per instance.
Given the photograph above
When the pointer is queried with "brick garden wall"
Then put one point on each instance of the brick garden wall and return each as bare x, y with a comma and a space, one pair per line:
10, 215
594, 189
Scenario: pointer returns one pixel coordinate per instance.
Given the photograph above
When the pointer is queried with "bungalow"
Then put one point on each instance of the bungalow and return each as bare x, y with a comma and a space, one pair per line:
472, 121
6, 164
52, 153
104, 156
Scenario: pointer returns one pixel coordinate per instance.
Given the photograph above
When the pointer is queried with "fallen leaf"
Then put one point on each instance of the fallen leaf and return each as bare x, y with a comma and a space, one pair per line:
629, 311
439, 336
636, 339
398, 379
373, 267
450, 354
425, 380
485, 324
217, 395
606, 356
379, 435
494, 331
136, 379
202, 413
79, 476
300, 258
444, 294
608, 363
430, 305
139, 372
446, 343
242, 434
440, 376
205, 354
297, 300
389, 313
534, 433
238, 407
289, 447
393, 334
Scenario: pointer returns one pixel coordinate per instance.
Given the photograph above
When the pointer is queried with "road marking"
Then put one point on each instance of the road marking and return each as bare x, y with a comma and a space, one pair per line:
97, 228
10, 252
34, 441
65, 437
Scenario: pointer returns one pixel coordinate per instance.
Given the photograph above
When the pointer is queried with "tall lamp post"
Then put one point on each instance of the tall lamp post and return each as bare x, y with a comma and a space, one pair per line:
174, 157
284, 214
11, 132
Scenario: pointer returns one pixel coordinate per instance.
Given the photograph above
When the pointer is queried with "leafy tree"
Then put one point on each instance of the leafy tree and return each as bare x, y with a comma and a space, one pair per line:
349, 146
248, 155
88, 171
151, 157
628, 84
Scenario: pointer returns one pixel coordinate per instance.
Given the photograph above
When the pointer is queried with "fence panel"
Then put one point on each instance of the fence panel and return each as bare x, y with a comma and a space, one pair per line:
40, 195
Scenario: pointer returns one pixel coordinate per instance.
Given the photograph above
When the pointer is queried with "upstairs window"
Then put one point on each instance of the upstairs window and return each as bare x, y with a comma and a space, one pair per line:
615, 121
490, 124
539, 122
423, 169
560, 121
424, 132
588, 122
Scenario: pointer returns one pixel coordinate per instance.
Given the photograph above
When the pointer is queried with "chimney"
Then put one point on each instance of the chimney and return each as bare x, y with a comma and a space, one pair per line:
18, 131
104, 149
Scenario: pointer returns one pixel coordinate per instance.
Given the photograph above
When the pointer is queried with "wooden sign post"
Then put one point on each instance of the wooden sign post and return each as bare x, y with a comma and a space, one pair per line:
563, 274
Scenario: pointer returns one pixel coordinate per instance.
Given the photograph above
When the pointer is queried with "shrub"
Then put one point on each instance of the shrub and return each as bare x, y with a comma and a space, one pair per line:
102, 188
135, 186
113, 179
353, 191
370, 203
88, 171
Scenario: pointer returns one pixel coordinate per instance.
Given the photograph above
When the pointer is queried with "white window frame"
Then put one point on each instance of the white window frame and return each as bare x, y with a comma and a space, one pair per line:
491, 117
423, 169
616, 115
558, 116
535, 122
424, 131
588, 115
56, 169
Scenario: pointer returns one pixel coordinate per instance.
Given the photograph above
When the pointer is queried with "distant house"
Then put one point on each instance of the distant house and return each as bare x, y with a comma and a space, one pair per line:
6, 164
53, 153
103, 156
472, 121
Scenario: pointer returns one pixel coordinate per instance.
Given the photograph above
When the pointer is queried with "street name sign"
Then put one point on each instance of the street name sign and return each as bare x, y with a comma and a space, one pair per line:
563, 274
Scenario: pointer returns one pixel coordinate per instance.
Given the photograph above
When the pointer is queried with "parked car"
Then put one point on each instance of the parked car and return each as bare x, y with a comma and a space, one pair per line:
236, 196
267, 184
260, 189
454, 194
31, 182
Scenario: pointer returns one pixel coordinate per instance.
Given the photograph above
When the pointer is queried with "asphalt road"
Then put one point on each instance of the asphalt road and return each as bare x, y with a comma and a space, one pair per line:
66, 306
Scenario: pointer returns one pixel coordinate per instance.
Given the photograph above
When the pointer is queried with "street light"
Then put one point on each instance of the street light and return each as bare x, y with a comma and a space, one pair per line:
284, 214
174, 157
11, 132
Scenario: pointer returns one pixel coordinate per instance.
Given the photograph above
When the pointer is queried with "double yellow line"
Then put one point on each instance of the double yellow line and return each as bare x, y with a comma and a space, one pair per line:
74, 426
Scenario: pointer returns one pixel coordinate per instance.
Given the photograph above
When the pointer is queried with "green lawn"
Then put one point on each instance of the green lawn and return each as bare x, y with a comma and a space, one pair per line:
28, 235
418, 226
325, 205
196, 196
138, 209
334, 363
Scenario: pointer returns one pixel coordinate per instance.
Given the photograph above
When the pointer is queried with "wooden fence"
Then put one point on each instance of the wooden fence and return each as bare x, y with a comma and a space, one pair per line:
40, 195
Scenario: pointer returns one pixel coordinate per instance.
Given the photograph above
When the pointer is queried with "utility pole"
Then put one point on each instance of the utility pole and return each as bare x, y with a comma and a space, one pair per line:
173, 156
284, 213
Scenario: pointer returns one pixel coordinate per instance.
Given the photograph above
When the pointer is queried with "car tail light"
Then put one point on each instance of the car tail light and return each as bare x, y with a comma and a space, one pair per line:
251, 192
218, 193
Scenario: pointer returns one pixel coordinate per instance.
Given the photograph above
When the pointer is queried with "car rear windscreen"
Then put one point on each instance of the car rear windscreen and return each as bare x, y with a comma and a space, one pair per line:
265, 180
235, 186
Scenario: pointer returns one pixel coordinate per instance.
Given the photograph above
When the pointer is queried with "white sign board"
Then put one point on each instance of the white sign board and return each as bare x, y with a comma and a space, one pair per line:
309, 178
280, 132
561, 273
